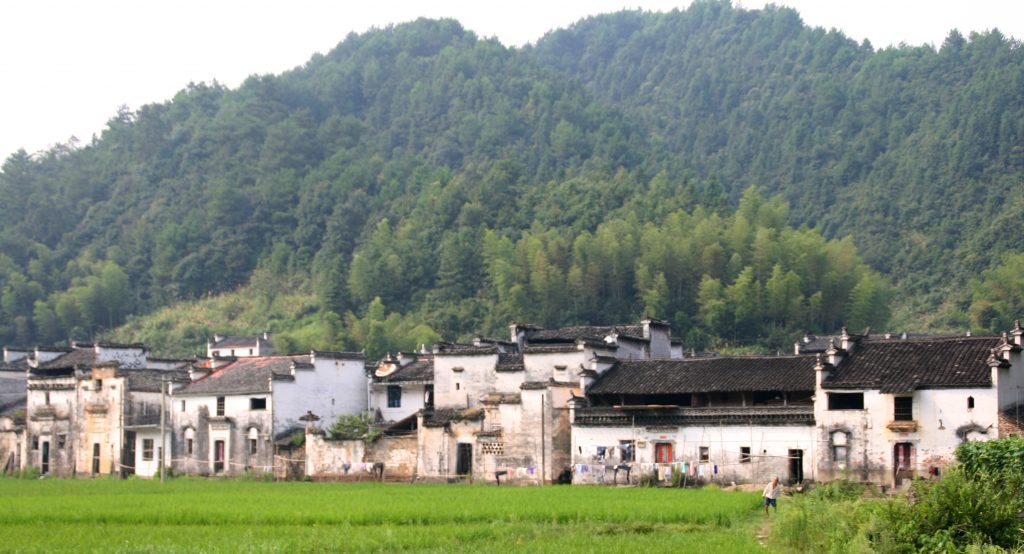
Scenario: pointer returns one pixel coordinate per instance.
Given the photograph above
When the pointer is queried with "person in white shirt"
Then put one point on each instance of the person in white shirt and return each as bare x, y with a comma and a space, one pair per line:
771, 494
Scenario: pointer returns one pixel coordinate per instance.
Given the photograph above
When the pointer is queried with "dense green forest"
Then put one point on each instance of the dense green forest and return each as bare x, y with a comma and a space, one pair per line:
734, 171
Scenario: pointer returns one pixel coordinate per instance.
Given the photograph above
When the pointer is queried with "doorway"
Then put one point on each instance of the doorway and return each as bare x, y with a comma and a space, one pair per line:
796, 466
95, 458
902, 462
218, 456
128, 456
463, 459
44, 467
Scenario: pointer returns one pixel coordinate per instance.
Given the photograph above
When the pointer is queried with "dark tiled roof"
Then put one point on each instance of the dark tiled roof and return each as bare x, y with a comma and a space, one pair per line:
240, 341
773, 415
339, 355
20, 365
80, 358
465, 350
510, 362
903, 365
584, 332
15, 410
245, 375
422, 370
551, 348
148, 380
726, 374
442, 417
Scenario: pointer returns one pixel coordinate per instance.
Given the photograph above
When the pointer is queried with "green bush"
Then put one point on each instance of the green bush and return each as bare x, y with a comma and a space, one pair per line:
988, 458
954, 513
28, 473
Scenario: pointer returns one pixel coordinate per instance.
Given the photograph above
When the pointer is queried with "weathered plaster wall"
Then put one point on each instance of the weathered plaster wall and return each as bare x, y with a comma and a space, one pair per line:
769, 446
333, 387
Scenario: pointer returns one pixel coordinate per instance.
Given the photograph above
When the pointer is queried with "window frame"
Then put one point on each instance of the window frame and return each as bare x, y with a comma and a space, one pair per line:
660, 449
839, 401
148, 446
394, 396
903, 408
745, 455
221, 406
254, 404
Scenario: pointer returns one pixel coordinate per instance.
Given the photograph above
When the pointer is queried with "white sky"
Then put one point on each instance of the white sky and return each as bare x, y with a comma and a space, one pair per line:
67, 65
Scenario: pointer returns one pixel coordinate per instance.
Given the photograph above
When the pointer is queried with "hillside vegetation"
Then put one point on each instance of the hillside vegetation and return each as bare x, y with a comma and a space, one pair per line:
731, 170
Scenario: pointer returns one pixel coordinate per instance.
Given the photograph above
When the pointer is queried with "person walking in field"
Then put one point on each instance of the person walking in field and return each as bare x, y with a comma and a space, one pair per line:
771, 494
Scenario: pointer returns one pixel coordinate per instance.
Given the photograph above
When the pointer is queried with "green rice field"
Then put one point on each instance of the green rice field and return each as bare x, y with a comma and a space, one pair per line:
186, 515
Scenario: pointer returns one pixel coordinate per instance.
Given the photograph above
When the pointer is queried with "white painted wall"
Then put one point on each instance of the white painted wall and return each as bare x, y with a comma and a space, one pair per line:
938, 413
770, 446
151, 468
541, 366
412, 400
334, 387
459, 389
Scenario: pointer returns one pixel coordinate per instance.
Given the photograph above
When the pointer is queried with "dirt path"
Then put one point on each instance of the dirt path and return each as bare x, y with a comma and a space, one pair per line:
763, 531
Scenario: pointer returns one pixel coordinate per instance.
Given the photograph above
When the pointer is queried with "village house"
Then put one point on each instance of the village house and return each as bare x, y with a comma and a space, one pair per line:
887, 410
402, 385
13, 373
501, 409
227, 420
240, 346
716, 419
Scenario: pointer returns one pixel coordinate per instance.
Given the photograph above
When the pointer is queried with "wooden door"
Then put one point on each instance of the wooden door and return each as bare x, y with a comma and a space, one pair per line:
218, 456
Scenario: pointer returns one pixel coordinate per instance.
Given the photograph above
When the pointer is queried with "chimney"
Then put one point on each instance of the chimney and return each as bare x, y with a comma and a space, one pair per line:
968, 333
796, 348
1017, 333
821, 371
845, 340
835, 355
266, 335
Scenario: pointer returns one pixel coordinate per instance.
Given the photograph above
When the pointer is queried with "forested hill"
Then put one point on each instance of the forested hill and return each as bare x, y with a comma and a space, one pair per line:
420, 181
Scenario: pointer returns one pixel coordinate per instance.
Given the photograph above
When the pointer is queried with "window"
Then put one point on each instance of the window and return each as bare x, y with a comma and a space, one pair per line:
61, 440
970, 402
190, 434
35, 443
250, 351
903, 408
97, 384
846, 400
744, 454
428, 396
394, 396
662, 452
626, 449
457, 386
840, 447
220, 405
216, 353
147, 449
254, 437
182, 405
257, 403
188, 447
232, 352
46, 398
705, 455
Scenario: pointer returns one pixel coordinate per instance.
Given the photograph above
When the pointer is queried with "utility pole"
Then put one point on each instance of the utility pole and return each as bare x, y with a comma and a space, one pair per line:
163, 433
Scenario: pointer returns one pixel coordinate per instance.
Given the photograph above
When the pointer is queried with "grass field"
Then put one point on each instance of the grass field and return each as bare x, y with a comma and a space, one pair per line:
241, 516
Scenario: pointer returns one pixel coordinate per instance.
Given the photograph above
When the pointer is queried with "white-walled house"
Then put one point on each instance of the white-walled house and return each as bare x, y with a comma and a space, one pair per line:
717, 419
226, 422
402, 385
501, 409
245, 346
887, 410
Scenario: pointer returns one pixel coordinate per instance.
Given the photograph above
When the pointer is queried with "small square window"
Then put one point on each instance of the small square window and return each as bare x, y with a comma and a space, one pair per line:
394, 396
147, 449
744, 454
257, 403
903, 408
705, 455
